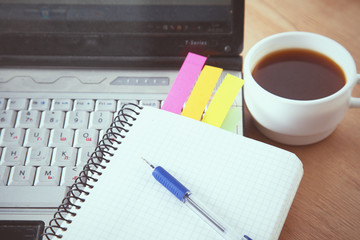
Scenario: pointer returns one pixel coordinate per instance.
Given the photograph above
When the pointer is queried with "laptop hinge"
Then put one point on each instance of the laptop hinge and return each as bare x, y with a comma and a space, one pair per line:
229, 63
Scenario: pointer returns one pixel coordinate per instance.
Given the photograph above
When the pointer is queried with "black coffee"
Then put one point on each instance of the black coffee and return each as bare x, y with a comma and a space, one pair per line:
299, 74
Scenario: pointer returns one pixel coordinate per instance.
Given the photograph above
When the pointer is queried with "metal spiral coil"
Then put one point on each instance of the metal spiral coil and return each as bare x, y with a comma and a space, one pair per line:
93, 168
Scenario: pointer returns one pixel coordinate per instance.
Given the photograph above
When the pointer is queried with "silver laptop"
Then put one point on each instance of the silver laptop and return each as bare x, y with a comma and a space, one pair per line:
65, 70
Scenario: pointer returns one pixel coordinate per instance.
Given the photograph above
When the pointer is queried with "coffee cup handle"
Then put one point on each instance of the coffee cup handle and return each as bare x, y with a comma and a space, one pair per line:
355, 102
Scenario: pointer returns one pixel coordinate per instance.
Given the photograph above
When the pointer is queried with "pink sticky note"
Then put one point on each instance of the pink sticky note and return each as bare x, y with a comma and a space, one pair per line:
184, 83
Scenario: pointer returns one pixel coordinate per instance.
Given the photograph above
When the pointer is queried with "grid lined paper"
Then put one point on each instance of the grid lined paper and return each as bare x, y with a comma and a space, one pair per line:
250, 185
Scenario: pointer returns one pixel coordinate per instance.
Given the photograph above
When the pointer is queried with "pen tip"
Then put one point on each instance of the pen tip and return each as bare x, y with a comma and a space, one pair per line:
152, 166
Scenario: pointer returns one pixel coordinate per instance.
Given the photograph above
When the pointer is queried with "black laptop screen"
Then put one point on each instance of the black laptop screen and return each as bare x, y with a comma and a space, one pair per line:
120, 28
124, 16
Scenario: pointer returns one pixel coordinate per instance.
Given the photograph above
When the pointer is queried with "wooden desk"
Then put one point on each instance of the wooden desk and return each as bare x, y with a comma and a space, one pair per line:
327, 205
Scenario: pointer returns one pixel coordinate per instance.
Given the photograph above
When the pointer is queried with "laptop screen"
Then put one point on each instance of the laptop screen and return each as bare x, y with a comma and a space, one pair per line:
125, 16
121, 27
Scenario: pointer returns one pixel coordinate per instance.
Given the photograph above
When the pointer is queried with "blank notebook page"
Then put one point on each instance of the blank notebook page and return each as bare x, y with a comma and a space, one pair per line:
250, 185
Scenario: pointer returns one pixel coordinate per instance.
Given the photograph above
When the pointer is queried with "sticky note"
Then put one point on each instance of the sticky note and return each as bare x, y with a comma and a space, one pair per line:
184, 83
232, 119
201, 92
222, 101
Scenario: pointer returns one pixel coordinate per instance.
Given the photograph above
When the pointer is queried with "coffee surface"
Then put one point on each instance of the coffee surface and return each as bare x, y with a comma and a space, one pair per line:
299, 74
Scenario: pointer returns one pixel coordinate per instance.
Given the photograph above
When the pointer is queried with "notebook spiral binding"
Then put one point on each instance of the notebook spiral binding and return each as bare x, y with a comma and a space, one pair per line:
93, 168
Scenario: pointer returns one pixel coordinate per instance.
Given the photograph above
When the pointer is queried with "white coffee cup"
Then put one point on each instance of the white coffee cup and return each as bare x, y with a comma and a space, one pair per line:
299, 122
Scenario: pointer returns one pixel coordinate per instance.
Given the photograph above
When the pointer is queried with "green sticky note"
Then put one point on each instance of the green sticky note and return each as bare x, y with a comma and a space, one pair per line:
232, 119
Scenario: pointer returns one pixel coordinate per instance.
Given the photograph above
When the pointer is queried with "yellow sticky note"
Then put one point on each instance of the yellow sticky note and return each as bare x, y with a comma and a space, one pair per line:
201, 93
232, 119
222, 101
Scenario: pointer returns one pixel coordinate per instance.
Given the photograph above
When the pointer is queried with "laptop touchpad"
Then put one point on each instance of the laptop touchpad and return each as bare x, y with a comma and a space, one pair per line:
21, 230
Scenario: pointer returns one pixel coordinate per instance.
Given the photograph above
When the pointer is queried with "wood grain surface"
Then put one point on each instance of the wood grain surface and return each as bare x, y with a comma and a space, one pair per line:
327, 204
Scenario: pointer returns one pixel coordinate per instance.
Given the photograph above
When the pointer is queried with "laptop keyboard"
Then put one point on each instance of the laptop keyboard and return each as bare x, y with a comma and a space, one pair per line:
44, 144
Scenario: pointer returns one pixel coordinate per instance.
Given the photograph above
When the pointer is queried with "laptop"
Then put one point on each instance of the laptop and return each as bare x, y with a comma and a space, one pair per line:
66, 69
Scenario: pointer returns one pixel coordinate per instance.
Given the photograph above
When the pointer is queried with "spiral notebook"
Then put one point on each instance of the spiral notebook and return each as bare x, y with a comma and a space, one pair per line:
249, 184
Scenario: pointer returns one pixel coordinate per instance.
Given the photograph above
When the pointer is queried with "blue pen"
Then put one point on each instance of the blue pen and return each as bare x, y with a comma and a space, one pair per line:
184, 195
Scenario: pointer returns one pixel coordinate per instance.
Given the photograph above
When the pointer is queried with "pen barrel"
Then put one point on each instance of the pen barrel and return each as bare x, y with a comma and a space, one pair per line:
170, 183
184, 195
208, 216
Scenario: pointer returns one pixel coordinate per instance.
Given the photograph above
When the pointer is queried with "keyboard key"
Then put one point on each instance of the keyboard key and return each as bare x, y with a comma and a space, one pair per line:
4, 175
2, 103
22, 175
64, 156
38, 156
125, 101
40, 104
84, 154
13, 156
32, 196
17, 104
69, 175
61, 105
12, 137
150, 103
86, 138
7, 118
48, 176
100, 120
77, 119
36, 137
105, 105
52, 119
110, 136
84, 105
61, 137
28, 119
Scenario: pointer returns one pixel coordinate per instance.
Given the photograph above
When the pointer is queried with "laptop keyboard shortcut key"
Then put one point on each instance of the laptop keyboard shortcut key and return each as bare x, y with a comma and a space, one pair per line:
61, 105
84, 105
39, 104
17, 104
